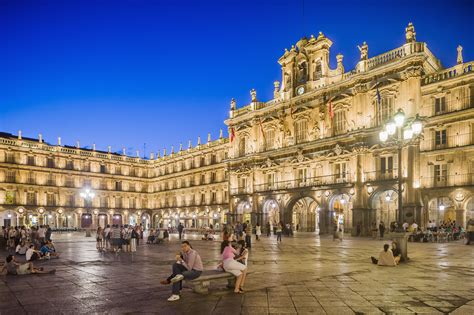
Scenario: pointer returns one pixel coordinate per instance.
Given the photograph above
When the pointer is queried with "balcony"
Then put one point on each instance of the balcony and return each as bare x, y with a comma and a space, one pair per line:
454, 141
453, 180
441, 106
389, 174
297, 183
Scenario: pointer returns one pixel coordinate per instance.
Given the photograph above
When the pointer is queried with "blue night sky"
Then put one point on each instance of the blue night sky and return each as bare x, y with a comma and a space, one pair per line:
125, 73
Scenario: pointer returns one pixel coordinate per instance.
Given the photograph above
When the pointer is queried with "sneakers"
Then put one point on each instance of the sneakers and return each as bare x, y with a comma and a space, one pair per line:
174, 297
165, 282
177, 278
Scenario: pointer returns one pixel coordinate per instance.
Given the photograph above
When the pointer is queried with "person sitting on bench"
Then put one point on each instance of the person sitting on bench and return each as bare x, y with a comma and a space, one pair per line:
188, 266
233, 266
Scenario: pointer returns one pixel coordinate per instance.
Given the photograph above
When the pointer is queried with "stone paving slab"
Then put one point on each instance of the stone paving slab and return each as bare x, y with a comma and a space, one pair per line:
306, 274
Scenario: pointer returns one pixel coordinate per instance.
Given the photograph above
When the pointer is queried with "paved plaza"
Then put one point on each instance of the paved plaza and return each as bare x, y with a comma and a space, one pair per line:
303, 274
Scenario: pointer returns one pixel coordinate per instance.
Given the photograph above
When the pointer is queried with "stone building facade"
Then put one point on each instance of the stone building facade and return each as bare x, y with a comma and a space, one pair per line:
311, 156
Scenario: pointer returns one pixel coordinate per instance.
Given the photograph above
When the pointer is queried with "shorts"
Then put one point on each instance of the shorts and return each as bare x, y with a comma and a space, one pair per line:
23, 269
234, 267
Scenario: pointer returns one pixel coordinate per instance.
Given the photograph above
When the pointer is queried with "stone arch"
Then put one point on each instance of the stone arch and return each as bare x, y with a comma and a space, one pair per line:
271, 212
340, 211
441, 209
302, 212
468, 210
384, 203
244, 211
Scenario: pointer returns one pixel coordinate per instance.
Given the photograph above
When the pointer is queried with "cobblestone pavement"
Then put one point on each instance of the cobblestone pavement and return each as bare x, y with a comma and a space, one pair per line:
303, 274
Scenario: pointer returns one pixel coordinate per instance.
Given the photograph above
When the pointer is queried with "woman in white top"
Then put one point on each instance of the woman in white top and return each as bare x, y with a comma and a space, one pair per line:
258, 231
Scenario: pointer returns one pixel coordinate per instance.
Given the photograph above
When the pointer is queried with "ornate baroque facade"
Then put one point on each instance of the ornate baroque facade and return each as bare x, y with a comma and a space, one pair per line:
310, 156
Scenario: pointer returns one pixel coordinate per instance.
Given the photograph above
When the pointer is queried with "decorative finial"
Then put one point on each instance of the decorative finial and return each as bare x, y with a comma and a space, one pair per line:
190, 144
40, 138
138, 153
59, 140
220, 134
19, 134
180, 147
209, 137
164, 152
157, 154
253, 95
78, 144
152, 155
459, 59
410, 34
123, 151
320, 35
109, 149
232, 104
93, 147
172, 149
199, 141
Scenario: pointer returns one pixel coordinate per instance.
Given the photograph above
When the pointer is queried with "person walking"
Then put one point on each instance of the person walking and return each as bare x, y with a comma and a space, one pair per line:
279, 231
268, 228
381, 229
248, 234
180, 229
188, 266
99, 238
258, 231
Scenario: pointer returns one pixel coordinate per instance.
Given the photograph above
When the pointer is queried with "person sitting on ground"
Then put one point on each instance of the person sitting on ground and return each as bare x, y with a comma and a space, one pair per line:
48, 250
32, 254
385, 257
14, 268
397, 255
233, 266
21, 248
188, 266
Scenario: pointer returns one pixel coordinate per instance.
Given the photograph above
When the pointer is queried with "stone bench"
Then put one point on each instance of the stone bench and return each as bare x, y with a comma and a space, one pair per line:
201, 285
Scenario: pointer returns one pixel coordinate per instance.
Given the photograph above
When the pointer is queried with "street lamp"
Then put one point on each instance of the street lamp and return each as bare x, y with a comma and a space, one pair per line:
402, 131
87, 195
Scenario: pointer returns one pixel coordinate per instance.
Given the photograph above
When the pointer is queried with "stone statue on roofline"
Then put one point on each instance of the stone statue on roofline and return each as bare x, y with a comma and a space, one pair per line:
410, 33
364, 51
253, 95
459, 58
232, 104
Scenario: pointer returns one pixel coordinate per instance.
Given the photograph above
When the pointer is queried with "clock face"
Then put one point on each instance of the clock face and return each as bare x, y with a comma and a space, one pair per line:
300, 90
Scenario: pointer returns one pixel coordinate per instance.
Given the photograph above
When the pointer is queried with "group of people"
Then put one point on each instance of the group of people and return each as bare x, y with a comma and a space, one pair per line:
13, 236
34, 243
188, 265
119, 238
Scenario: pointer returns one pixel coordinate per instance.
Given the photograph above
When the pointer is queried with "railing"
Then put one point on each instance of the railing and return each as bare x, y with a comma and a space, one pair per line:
452, 180
389, 174
296, 183
449, 73
447, 106
386, 57
453, 141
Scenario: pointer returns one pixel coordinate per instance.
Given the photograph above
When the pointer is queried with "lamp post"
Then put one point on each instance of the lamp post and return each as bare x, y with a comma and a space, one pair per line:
401, 132
87, 195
